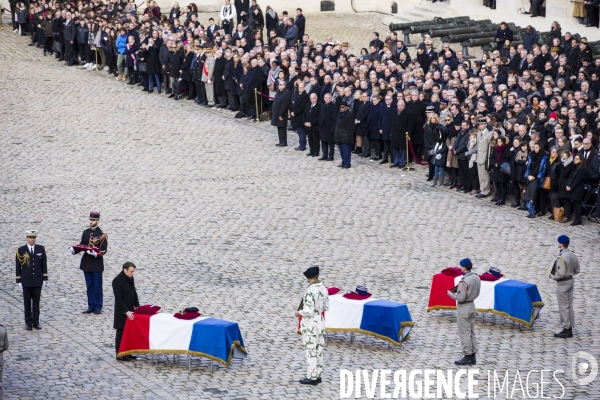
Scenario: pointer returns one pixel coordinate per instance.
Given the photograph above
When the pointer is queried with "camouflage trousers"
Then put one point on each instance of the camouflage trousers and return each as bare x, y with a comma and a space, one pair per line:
313, 346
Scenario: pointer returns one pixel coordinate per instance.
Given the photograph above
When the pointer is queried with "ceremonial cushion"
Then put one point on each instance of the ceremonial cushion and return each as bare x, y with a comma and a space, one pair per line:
147, 309
356, 296
85, 247
489, 277
187, 315
332, 290
452, 271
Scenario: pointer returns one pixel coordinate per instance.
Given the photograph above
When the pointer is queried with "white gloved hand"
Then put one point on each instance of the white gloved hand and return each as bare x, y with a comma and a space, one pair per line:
438, 157
45, 284
92, 253
72, 250
20, 285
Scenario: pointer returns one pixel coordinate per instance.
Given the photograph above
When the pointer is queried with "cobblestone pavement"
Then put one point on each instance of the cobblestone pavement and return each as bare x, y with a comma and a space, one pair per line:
215, 216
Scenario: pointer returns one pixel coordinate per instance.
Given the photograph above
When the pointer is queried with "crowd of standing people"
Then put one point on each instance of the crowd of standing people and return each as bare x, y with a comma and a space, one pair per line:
522, 121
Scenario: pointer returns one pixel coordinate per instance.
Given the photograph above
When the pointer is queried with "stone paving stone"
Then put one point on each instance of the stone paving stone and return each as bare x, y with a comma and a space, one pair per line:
215, 217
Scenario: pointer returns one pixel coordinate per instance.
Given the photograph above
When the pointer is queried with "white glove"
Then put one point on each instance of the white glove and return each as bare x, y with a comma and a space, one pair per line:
45, 284
72, 250
39, 26
438, 156
20, 285
92, 253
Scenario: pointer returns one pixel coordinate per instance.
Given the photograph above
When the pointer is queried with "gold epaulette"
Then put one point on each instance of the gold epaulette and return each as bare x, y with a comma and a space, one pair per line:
23, 258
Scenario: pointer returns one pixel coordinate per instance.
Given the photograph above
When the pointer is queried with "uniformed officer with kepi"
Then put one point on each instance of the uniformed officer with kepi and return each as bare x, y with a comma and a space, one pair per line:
92, 263
32, 275
565, 266
465, 294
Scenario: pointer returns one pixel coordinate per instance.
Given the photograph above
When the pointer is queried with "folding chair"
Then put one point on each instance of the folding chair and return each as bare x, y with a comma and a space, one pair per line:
589, 202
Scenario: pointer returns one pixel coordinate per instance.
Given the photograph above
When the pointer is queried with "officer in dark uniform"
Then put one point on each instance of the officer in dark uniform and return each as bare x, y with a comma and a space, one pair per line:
32, 275
92, 263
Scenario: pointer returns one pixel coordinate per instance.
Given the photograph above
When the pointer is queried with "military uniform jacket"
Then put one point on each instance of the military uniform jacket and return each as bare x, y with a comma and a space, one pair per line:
98, 238
483, 145
31, 268
566, 265
468, 288
316, 301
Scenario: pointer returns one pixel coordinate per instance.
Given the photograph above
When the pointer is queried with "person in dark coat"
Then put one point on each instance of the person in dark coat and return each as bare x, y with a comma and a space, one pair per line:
69, 33
374, 126
255, 80
575, 187
300, 22
233, 73
130, 52
150, 56
327, 119
388, 110
92, 262
31, 275
57, 35
402, 123
500, 155
175, 60
185, 72
197, 69
460, 148
126, 300
418, 110
565, 170
299, 102
344, 134
362, 108
503, 34
219, 77
279, 112
432, 129
311, 124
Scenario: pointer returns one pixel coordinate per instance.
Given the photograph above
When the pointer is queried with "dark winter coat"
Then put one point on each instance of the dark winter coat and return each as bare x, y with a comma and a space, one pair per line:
150, 56
401, 123
417, 109
576, 183
344, 128
362, 113
327, 119
374, 121
218, 74
280, 108
299, 102
311, 115
126, 298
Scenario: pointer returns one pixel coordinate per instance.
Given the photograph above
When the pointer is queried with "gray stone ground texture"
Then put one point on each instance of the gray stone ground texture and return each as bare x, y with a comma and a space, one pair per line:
215, 216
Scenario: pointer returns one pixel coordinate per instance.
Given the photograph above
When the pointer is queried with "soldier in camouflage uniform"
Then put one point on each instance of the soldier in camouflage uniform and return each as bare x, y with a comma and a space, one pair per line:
312, 326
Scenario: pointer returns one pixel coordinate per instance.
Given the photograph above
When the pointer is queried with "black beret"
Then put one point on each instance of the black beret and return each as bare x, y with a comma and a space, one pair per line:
311, 272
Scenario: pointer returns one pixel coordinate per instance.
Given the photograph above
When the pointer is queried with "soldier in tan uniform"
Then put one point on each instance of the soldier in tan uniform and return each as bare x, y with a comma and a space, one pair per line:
312, 326
483, 154
465, 294
565, 266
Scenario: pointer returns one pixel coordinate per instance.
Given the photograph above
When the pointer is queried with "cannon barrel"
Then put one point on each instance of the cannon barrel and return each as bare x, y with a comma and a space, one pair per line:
426, 28
480, 35
468, 29
405, 25
488, 41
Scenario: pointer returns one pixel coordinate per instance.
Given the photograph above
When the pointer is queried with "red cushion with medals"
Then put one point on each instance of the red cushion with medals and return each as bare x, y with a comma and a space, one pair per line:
147, 309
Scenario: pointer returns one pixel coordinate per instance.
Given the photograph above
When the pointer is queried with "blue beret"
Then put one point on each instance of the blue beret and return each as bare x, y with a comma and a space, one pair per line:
466, 262
563, 239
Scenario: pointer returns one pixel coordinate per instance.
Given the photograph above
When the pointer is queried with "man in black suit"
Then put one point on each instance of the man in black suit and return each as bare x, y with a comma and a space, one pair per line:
240, 33
126, 300
376, 41
69, 34
311, 123
92, 263
212, 29
299, 102
402, 123
589, 156
327, 118
418, 110
241, 8
503, 34
32, 275
279, 112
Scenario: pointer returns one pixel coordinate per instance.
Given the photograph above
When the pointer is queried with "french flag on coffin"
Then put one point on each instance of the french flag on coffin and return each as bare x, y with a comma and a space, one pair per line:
216, 339
516, 300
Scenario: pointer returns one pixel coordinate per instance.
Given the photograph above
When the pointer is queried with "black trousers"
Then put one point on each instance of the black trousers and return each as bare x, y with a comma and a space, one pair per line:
118, 338
282, 133
69, 52
31, 300
48, 44
474, 176
431, 170
313, 142
376, 146
366, 145
386, 150
221, 99
328, 149
577, 207
463, 173
232, 99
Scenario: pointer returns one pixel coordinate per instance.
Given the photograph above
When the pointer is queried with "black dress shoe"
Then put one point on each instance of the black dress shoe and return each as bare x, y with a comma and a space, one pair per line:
316, 155
98, 312
345, 167
384, 161
466, 360
319, 380
522, 208
307, 381
124, 358
330, 159
494, 200
565, 333
28, 327
481, 195
323, 159
575, 223
530, 216
38, 327
309, 154
500, 203
540, 214
278, 145
299, 148
394, 166
88, 311
131, 357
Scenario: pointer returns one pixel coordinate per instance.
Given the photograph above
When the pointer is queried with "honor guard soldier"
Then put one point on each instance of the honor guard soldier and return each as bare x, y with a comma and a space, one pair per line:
465, 294
312, 326
32, 275
565, 266
92, 263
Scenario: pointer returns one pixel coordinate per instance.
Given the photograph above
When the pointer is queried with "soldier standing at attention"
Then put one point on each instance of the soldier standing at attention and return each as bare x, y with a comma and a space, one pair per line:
565, 266
312, 326
32, 275
92, 263
465, 294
